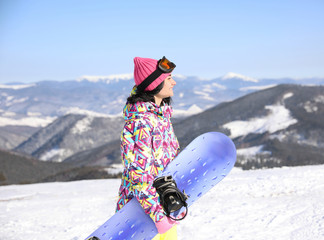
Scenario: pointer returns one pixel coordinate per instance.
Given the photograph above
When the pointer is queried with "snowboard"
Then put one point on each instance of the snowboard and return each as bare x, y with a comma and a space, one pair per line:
198, 168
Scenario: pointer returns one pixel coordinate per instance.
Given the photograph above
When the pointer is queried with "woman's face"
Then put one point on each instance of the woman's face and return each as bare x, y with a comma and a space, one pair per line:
167, 90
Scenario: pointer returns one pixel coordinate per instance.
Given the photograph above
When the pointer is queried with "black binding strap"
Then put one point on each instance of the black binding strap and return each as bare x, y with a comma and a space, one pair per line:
154, 75
171, 198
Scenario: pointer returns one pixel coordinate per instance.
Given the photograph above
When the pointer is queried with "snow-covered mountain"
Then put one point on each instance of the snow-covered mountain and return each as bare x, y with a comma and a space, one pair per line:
25, 108
64, 121
280, 204
230, 76
279, 126
71, 134
107, 79
38, 104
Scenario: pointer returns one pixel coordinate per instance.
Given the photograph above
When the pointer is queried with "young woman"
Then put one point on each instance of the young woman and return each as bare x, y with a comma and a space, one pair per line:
148, 142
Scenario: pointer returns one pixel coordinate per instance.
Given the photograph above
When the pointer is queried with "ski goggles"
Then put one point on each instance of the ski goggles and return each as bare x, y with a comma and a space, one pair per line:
165, 65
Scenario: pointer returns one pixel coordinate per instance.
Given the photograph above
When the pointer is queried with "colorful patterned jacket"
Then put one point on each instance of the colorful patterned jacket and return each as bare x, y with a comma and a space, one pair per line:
148, 145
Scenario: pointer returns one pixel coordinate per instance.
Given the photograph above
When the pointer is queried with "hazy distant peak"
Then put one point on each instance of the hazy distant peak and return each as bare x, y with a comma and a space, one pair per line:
106, 79
231, 75
77, 110
179, 76
16, 87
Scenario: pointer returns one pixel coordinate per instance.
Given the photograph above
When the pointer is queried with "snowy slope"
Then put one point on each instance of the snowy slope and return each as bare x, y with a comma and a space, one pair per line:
278, 204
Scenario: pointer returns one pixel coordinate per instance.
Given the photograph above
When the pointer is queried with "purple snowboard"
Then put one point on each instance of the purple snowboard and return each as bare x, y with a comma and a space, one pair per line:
199, 167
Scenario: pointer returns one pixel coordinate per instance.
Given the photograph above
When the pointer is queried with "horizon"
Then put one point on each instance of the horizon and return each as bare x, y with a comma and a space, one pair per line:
129, 76
65, 40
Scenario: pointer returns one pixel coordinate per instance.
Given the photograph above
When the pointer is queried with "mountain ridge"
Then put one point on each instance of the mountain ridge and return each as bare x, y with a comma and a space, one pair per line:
253, 121
274, 127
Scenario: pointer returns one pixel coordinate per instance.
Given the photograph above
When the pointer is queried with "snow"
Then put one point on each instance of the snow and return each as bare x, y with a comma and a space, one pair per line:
257, 88
280, 204
192, 110
11, 100
17, 87
107, 79
77, 110
115, 169
116, 78
288, 95
278, 119
231, 75
319, 99
204, 95
27, 121
32, 114
82, 125
311, 106
219, 86
179, 76
209, 87
8, 114
61, 152
251, 151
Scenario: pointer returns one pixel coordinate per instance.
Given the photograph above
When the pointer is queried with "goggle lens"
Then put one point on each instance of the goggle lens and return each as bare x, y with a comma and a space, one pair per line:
166, 66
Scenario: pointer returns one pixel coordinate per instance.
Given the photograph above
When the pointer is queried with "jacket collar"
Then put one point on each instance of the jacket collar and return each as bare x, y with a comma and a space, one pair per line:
132, 111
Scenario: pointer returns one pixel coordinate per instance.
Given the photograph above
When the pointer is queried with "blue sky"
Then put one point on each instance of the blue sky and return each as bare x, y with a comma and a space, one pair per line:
66, 39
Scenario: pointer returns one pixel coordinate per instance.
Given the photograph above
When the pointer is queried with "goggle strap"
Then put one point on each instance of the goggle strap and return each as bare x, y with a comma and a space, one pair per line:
153, 76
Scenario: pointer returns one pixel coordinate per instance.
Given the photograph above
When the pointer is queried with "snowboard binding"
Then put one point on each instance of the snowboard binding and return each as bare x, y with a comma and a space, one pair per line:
92, 238
171, 198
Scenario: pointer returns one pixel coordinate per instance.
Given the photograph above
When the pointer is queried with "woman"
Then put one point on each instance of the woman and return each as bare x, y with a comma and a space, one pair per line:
148, 142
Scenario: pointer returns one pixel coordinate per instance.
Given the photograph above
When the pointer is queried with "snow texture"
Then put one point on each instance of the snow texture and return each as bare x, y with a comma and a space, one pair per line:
27, 121
231, 75
204, 95
192, 110
47, 156
252, 151
76, 110
278, 204
107, 79
11, 100
83, 125
278, 119
257, 88
311, 106
17, 87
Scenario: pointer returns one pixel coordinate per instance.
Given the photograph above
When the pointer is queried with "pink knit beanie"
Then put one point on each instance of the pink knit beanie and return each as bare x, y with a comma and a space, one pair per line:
143, 68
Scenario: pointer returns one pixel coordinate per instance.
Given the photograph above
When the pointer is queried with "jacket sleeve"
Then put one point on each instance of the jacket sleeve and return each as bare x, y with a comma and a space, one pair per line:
138, 159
